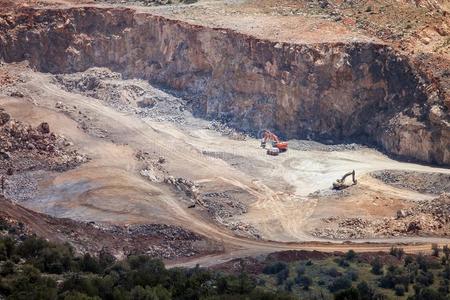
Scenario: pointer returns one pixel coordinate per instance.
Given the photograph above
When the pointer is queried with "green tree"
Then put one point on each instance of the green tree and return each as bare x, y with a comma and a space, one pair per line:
304, 282
348, 294
377, 266
340, 283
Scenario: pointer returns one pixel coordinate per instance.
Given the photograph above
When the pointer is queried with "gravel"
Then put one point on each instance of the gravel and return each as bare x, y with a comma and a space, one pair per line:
431, 183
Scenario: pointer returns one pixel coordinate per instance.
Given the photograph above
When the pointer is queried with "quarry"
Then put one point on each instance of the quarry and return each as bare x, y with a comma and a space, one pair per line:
137, 126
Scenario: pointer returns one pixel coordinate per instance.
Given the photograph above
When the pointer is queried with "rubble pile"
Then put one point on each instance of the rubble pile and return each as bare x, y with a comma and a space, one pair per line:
156, 240
244, 229
225, 130
424, 218
23, 147
148, 2
222, 205
184, 185
168, 232
432, 183
132, 96
152, 168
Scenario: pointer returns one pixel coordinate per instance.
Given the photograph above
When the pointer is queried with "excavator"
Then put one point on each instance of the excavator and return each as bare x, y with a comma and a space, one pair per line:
277, 145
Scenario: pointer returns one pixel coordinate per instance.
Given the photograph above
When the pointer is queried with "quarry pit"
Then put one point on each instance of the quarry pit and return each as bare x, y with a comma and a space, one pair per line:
165, 115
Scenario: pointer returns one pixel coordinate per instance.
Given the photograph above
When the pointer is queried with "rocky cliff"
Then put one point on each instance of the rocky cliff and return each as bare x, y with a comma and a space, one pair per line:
354, 91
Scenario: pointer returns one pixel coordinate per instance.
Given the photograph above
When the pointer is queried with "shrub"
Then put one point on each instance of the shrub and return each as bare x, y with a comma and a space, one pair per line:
397, 252
348, 294
425, 278
446, 251
274, 268
289, 284
399, 290
340, 283
352, 275
304, 282
157, 292
365, 289
282, 276
31, 247
421, 261
301, 270
7, 268
343, 263
409, 260
333, 272
377, 266
435, 249
350, 255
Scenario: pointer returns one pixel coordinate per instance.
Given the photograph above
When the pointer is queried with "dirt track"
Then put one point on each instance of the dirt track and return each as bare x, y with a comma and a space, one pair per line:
275, 190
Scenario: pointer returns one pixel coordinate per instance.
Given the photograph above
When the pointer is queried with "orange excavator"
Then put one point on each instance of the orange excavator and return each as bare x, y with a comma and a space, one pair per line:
277, 145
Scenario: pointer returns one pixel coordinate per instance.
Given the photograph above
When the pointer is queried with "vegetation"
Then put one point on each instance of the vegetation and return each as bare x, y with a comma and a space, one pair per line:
32, 268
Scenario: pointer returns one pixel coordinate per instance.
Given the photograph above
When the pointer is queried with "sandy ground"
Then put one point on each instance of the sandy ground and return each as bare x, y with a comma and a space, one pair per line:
283, 195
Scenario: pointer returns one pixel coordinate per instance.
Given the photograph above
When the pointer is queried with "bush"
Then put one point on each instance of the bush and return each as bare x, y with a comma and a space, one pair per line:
7, 248
409, 260
422, 262
301, 270
32, 247
289, 284
304, 282
76, 296
399, 290
397, 252
348, 294
350, 255
333, 272
343, 263
377, 266
446, 251
425, 278
435, 250
7, 268
150, 293
352, 275
427, 294
282, 276
90, 264
29, 284
365, 289
274, 268
341, 283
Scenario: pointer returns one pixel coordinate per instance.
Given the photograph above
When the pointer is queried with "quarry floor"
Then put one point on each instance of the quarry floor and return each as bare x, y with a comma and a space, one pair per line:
285, 197
272, 203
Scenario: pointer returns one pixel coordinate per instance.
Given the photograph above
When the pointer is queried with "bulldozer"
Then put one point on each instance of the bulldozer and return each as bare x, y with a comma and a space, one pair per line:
277, 146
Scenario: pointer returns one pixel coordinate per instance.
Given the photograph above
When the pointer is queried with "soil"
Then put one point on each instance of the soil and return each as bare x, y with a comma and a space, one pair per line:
162, 181
156, 240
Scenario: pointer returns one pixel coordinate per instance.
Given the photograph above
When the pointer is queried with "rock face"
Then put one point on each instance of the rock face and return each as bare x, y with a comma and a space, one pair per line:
358, 91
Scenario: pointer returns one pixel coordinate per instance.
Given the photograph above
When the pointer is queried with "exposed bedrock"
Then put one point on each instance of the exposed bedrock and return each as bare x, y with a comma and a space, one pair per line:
353, 91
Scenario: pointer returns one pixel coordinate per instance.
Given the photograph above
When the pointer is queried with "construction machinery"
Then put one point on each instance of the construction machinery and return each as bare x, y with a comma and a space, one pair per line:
277, 146
340, 184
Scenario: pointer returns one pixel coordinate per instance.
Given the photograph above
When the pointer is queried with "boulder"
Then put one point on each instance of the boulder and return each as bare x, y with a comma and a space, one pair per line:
44, 128
4, 118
